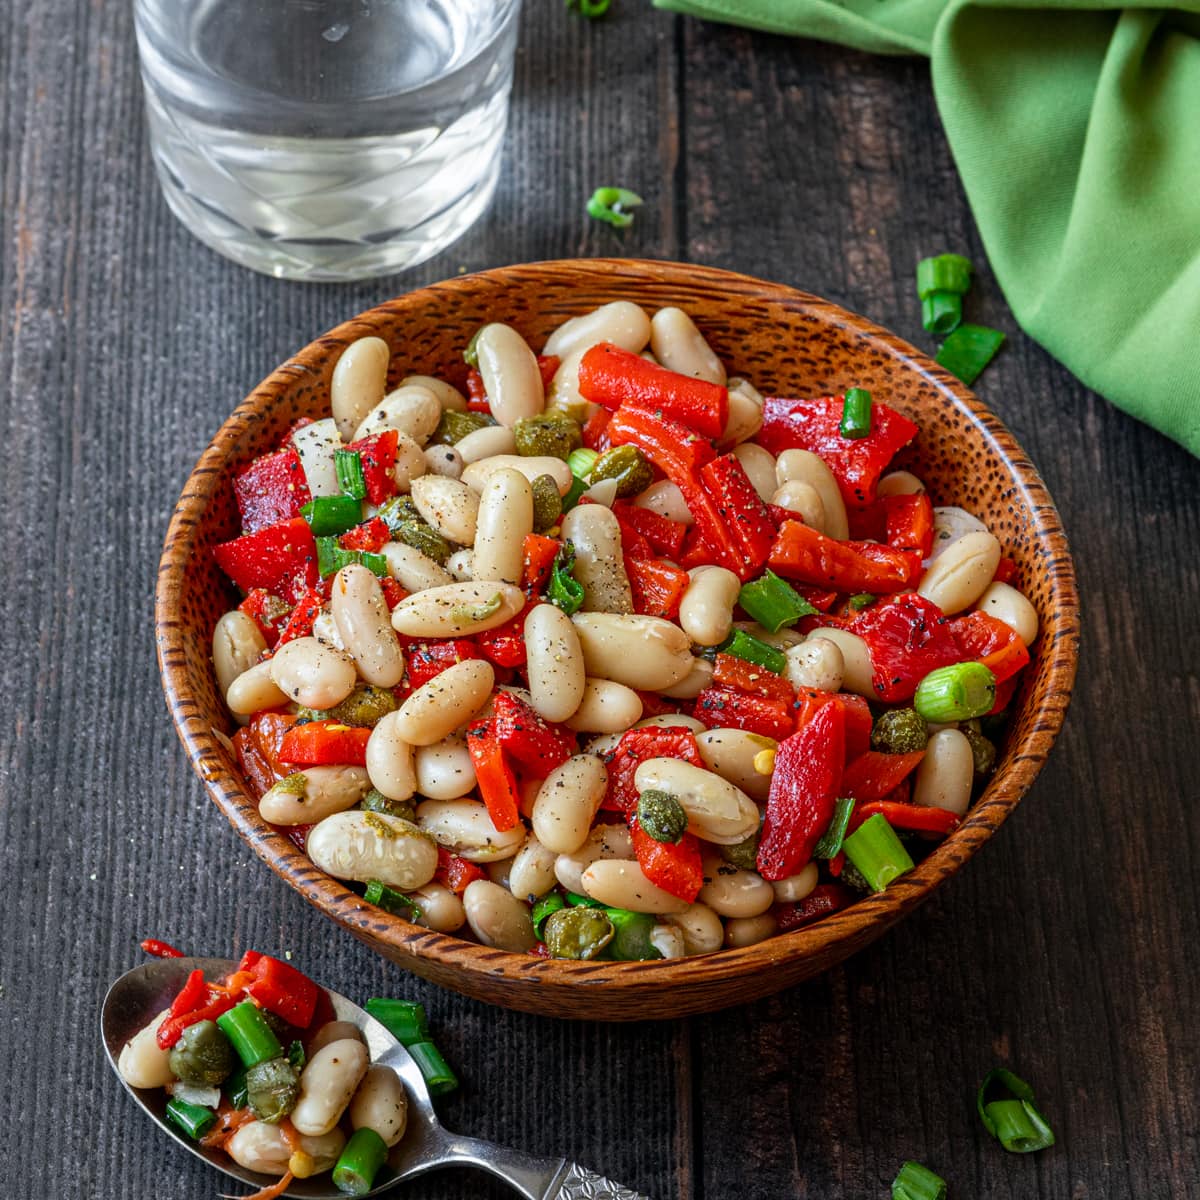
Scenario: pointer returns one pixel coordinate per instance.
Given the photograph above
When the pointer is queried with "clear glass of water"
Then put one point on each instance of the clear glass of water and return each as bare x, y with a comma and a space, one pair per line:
327, 139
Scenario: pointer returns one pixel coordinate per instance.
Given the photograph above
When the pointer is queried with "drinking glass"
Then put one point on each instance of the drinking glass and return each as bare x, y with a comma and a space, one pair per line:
327, 139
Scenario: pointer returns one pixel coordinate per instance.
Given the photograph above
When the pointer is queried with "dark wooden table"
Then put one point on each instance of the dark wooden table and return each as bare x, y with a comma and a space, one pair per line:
1067, 951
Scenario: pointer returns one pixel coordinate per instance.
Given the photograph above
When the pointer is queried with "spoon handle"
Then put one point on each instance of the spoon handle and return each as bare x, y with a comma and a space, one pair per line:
578, 1183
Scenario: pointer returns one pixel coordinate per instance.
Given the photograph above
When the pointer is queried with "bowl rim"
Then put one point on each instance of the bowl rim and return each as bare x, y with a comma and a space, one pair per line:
867, 916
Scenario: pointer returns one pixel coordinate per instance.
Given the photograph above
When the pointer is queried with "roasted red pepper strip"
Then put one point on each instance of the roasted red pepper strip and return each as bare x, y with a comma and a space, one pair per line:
529, 739
539, 555
908, 636
741, 510
477, 400
663, 534
371, 536
676, 868
803, 554
736, 672
874, 776
1006, 572
283, 990
657, 587
824, 899
730, 708
268, 612
160, 949
378, 456
909, 522
171, 1029
595, 430
505, 645
633, 544
548, 365
637, 745
612, 377
497, 783
920, 818
855, 711
281, 558
254, 765
270, 728
271, 489
193, 995
393, 593
804, 789
985, 639
304, 615
815, 425
325, 743
427, 660
455, 872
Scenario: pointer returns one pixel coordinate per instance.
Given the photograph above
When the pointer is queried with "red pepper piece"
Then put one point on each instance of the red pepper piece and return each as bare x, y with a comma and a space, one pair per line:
548, 364
298, 835
741, 511
393, 593
637, 745
821, 601
455, 872
171, 1029
505, 645
595, 430
283, 990
267, 611
1006, 572
477, 400
874, 776
247, 962
804, 789
270, 728
657, 587
633, 544
528, 738
253, 763
304, 615
271, 489
378, 456
612, 377
908, 636
325, 743
539, 555
654, 705
371, 536
160, 949
815, 425
664, 535
298, 423
192, 996
676, 869
1004, 694
824, 899
426, 660
909, 522
855, 711
803, 554
920, 818
497, 784
735, 672
985, 639
676, 450
696, 551
540, 950
281, 558
729, 708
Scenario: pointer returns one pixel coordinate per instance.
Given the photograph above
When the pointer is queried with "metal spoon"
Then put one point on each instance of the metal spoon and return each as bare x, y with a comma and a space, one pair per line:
134, 999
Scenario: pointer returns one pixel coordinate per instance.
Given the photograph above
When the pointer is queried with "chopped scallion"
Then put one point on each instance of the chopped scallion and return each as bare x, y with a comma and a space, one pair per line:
551, 902
250, 1034
943, 273
331, 558
959, 692
193, 1119
1014, 1121
349, 468
359, 1162
941, 313
590, 8
915, 1182
968, 350
612, 204
565, 591
773, 602
582, 462
390, 900
438, 1076
296, 1056
579, 900
471, 353
742, 645
403, 1019
835, 832
877, 852
856, 414
860, 601
330, 515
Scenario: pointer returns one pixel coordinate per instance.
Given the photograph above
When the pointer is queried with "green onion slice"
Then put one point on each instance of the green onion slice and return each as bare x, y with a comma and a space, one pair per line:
550, 903
612, 204
349, 468
773, 602
856, 414
943, 273
579, 900
331, 558
359, 1162
835, 833
252, 1037
959, 692
390, 900
877, 852
941, 312
742, 645
328, 515
565, 591
438, 1076
1014, 1121
403, 1019
194, 1119
471, 353
582, 462
861, 600
592, 9
968, 350
916, 1182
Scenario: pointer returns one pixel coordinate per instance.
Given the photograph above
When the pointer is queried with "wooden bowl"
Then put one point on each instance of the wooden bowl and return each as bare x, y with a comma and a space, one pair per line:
787, 343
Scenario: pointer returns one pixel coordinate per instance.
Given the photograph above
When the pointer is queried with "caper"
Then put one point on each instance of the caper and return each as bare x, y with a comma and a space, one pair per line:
549, 433
203, 1055
577, 932
742, 854
425, 538
376, 801
455, 425
627, 466
899, 731
272, 1088
547, 503
661, 816
982, 750
364, 707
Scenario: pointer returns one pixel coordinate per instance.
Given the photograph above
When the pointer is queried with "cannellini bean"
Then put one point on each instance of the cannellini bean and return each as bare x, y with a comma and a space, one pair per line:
899, 483
605, 707
665, 498
748, 931
253, 690
731, 753
817, 664
681, 347
693, 683
142, 1063
334, 1031
444, 769
315, 444
671, 721
961, 573
327, 1083
504, 520
461, 565
390, 759
487, 442
1006, 604
449, 505
668, 941
325, 630
464, 827
567, 803
645, 653
745, 414
804, 500
476, 474
810, 468
410, 462
732, 892
949, 524
443, 460
313, 674
596, 535
511, 377
563, 394
441, 909
759, 465
553, 663
620, 883
857, 672
380, 1104
364, 623
701, 928
532, 871
796, 887
458, 609
412, 410
448, 700
412, 570
717, 810
448, 396
237, 644
358, 383
604, 842
497, 918
622, 322
260, 1147
706, 610
498, 870
944, 778
370, 845
327, 790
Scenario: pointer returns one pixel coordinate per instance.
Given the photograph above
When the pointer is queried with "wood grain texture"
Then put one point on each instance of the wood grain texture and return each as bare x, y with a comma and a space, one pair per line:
1066, 950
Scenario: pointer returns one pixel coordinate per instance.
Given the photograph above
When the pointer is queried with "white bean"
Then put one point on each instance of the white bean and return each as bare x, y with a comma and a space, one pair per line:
604, 842
505, 519
949, 524
476, 474
944, 778
465, 828
745, 414
532, 871
364, 624
671, 721
961, 573
443, 460
254, 690
759, 465
448, 700
668, 941
857, 671
313, 674
605, 707
817, 664
645, 653
563, 394
899, 483
449, 505
732, 892
410, 462
796, 887
706, 610
447, 395
620, 883
441, 909
567, 803
511, 378
731, 753
622, 322
596, 535
701, 928
143, 1063
1006, 604
444, 769
334, 1031
486, 443
390, 759
458, 609
693, 683
358, 382
665, 498
237, 644
326, 1085
681, 347
326, 790
380, 1104
749, 931
497, 918
370, 845
804, 500
553, 663
810, 468
717, 810
412, 410
412, 570
315, 444
461, 565
260, 1147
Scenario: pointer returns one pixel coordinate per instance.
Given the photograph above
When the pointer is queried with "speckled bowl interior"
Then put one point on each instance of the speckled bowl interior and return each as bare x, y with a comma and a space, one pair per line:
787, 343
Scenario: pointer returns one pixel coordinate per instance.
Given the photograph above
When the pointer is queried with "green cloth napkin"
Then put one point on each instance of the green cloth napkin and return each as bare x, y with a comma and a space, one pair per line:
1076, 129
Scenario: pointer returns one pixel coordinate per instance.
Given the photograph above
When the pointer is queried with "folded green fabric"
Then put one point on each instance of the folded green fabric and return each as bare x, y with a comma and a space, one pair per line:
1076, 129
